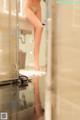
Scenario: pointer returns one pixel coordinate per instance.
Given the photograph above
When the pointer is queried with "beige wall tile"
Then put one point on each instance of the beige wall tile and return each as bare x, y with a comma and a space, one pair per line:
66, 110
66, 63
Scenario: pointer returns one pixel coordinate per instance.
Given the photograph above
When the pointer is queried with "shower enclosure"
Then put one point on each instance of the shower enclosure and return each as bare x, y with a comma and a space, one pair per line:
9, 21
8, 40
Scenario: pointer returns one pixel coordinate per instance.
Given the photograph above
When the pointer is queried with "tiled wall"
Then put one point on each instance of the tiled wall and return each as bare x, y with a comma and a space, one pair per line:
54, 60
66, 62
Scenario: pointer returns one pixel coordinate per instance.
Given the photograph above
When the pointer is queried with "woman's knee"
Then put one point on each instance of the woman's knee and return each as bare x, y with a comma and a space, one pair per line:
40, 27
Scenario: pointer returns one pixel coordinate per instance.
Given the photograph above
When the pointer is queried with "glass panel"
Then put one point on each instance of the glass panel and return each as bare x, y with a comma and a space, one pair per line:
27, 56
8, 48
9, 102
25, 103
13, 37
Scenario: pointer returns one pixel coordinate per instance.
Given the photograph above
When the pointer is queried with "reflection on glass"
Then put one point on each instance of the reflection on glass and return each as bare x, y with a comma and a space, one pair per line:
26, 60
9, 101
8, 40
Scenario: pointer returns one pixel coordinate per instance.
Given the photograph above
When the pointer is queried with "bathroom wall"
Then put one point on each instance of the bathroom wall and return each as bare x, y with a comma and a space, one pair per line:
65, 63
1, 2
54, 59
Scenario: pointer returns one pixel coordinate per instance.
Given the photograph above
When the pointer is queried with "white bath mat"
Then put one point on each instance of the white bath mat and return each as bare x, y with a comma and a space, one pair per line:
32, 73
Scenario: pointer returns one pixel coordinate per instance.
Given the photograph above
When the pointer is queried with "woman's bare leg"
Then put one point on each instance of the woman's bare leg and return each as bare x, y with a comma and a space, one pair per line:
38, 31
38, 27
38, 107
37, 37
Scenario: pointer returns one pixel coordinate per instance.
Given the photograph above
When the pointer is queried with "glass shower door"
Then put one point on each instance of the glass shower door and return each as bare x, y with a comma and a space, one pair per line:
8, 40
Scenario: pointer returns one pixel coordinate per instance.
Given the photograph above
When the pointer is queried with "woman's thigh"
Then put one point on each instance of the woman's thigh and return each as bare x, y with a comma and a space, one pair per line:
33, 18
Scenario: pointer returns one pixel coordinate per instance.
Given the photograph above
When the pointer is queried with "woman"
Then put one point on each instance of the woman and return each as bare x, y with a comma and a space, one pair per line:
32, 10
